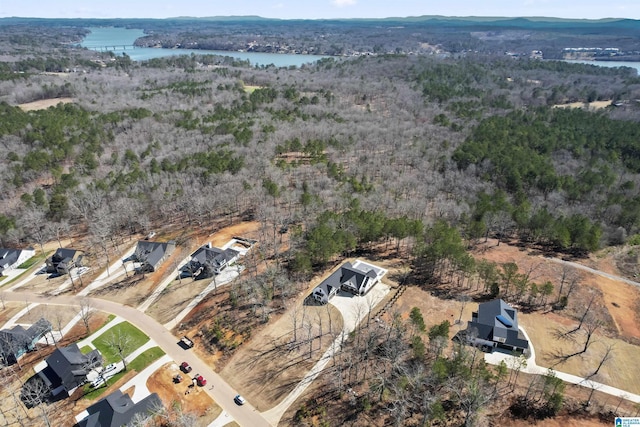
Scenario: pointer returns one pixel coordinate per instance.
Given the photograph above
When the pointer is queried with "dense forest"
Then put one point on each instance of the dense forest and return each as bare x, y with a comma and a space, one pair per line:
345, 153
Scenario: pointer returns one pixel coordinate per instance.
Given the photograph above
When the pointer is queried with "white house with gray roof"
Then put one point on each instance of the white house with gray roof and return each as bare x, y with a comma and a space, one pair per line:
12, 258
357, 278
209, 260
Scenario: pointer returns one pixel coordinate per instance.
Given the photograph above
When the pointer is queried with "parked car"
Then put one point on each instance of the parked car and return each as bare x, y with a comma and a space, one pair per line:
186, 342
201, 380
98, 382
110, 367
177, 379
239, 400
185, 367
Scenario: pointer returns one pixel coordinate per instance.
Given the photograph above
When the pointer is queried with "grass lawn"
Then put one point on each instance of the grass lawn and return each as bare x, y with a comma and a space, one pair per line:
134, 336
35, 260
85, 349
146, 358
94, 393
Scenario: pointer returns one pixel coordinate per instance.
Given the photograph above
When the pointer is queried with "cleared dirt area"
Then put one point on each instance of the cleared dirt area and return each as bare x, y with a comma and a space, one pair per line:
57, 315
272, 363
435, 310
248, 229
595, 105
175, 298
180, 293
190, 399
543, 329
44, 282
10, 309
615, 302
43, 104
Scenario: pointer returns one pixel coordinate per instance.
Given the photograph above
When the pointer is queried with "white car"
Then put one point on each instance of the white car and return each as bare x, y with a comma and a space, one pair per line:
239, 400
97, 382
110, 367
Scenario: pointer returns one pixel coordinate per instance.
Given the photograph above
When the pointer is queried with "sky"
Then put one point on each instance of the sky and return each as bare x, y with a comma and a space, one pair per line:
319, 9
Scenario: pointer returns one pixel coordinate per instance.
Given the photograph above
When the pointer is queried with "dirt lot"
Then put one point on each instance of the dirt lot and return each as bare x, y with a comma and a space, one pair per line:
180, 292
57, 315
197, 401
268, 367
175, 298
595, 105
44, 104
11, 308
44, 282
617, 303
435, 310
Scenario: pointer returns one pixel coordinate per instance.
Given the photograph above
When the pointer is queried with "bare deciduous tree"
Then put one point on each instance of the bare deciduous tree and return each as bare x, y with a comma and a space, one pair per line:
85, 309
121, 344
34, 394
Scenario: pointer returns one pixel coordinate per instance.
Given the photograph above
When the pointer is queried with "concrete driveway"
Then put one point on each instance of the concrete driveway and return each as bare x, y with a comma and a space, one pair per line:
354, 309
530, 367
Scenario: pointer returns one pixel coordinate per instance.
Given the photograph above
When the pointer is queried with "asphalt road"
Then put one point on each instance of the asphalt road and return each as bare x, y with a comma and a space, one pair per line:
221, 392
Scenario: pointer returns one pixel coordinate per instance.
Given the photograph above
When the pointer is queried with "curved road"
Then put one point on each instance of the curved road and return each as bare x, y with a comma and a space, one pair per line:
221, 392
594, 271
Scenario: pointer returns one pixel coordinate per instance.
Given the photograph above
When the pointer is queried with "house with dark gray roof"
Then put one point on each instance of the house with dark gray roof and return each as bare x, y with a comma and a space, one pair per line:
67, 368
357, 278
151, 254
12, 258
117, 410
209, 260
495, 325
17, 341
63, 260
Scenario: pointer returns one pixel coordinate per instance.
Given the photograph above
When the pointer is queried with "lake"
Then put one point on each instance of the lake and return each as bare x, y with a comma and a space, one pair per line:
120, 40
630, 64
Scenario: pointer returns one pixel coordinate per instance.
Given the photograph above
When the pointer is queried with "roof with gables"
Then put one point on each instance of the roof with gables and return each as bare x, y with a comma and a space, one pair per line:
18, 340
496, 321
117, 409
153, 253
214, 256
71, 366
349, 275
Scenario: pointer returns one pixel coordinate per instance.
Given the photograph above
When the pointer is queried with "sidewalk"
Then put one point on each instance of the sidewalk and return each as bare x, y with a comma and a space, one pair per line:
116, 269
223, 278
96, 334
140, 380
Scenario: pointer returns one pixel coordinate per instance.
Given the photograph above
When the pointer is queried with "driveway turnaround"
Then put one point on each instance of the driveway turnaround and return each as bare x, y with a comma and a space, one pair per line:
531, 368
354, 309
